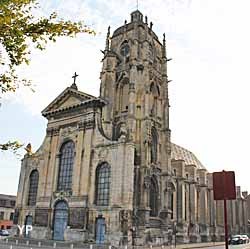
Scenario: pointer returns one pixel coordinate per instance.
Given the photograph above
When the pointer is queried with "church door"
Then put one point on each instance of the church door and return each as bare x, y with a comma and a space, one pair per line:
100, 230
28, 221
60, 220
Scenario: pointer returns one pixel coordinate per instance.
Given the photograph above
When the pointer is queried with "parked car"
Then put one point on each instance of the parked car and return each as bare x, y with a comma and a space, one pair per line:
245, 238
238, 239
4, 232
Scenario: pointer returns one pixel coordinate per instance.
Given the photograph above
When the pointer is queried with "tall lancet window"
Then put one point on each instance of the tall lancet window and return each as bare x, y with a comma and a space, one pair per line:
154, 144
66, 166
153, 197
33, 186
124, 50
103, 178
154, 99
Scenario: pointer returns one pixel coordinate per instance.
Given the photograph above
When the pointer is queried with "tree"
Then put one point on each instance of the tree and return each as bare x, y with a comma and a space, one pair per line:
19, 31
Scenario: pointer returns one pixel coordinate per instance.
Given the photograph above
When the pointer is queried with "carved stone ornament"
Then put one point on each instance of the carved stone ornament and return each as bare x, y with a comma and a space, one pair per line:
103, 153
124, 133
53, 131
156, 171
147, 182
123, 130
62, 194
65, 132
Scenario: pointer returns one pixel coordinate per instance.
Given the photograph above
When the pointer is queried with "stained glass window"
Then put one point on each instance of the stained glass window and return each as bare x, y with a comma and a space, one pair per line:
66, 166
153, 198
124, 49
154, 150
33, 186
103, 177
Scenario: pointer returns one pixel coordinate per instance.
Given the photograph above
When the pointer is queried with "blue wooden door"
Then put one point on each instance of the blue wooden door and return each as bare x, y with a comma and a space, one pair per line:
60, 220
28, 221
100, 230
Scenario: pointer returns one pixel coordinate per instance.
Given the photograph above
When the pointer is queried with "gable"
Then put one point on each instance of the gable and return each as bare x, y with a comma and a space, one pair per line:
68, 98
68, 101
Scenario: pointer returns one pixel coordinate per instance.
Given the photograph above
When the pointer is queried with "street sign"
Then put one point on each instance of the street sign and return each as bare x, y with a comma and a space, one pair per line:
224, 185
224, 189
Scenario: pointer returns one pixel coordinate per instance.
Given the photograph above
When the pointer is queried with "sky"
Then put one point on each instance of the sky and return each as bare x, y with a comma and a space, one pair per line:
208, 42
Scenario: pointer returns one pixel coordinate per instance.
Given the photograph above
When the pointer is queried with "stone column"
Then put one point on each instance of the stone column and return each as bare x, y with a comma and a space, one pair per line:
203, 205
193, 203
47, 157
52, 163
180, 200
56, 171
78, 164
86, 173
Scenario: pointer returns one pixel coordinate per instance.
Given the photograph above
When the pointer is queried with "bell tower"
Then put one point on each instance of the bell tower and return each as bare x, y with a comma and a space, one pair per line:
134, 83
134, 77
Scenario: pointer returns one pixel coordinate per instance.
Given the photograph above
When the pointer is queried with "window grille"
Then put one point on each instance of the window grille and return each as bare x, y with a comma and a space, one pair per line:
103, 176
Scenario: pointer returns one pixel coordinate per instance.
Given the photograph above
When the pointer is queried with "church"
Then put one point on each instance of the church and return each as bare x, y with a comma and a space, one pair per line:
107, 171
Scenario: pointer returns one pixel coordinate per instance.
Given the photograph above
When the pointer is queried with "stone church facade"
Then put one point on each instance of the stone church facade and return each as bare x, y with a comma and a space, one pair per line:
107, 170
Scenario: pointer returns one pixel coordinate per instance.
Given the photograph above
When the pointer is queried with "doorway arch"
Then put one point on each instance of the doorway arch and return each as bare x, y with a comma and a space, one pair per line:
100, 230
60, 220
28, 222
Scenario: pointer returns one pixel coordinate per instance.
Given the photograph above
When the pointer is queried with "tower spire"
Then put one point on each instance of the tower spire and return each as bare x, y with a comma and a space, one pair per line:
164, 46
107, 40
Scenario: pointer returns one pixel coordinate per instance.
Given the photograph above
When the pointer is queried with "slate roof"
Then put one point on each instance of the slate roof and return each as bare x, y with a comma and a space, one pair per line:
180, 153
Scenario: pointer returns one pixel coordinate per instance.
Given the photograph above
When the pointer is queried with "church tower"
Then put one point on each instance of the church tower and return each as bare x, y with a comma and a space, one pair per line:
134, 83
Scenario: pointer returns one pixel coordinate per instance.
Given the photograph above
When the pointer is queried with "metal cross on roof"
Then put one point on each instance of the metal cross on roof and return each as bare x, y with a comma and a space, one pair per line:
74, 77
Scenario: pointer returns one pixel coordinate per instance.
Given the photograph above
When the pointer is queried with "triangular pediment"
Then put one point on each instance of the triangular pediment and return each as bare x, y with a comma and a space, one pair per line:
68, 98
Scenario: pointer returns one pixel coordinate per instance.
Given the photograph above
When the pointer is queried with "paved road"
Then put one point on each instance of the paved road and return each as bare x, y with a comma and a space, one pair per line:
247, 246
13, 246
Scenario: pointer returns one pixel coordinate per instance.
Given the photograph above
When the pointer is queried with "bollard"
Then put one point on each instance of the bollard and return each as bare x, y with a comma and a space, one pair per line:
16, 242
11, 247
91, 246
54, 245
150, 246
126, 247
71, 246
39, 244
110, 247
27, 242
162, 247
7, 240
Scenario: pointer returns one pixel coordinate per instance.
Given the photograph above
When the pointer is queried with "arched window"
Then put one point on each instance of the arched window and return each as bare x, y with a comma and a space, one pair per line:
153, 197
33, 186
103, 177
171, 204
122, 94
66, 166
124, 50
150, 52
154, 99
154, 150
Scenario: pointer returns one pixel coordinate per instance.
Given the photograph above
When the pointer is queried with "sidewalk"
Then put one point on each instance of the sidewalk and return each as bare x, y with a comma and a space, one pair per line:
200, 245
50, 244
192, 245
